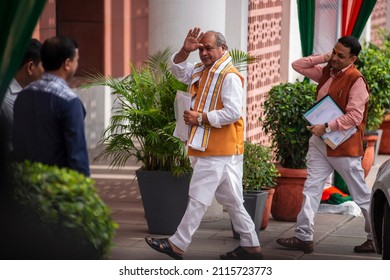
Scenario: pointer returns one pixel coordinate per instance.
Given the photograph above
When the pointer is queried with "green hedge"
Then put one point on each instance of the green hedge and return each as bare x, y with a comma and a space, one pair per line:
374, 64
66, 202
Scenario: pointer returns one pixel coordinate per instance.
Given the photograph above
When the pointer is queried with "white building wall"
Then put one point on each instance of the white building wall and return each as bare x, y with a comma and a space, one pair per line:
366, 34
97, 102
295, 50
170, 20
236, 31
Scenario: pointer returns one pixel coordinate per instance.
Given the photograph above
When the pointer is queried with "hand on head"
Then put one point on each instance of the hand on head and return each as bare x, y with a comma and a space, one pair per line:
328, 56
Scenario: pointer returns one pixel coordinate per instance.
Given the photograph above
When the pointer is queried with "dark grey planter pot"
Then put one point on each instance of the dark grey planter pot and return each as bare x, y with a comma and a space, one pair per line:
254, 203
164, 198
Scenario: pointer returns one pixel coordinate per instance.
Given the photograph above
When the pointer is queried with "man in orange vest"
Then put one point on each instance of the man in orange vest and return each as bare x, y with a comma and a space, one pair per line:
340, 79
215, 145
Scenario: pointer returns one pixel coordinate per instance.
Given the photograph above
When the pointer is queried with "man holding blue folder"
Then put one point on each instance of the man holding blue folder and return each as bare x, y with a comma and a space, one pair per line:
337, 77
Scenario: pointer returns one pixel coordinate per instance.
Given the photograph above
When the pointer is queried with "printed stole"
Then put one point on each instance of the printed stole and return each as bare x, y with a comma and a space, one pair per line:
199, 135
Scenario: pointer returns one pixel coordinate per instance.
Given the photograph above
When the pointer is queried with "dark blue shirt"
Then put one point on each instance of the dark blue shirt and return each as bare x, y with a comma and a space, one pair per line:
49, 125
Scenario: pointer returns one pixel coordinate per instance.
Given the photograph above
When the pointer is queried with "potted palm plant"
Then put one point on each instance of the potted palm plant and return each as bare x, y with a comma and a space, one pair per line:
141, 127
283, 121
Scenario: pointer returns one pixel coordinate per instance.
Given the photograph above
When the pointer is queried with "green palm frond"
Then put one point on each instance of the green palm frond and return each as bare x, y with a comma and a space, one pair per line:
158, 63
242, 59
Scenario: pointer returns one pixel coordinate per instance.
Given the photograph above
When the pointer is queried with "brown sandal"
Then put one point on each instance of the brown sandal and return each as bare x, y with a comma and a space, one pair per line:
241, 254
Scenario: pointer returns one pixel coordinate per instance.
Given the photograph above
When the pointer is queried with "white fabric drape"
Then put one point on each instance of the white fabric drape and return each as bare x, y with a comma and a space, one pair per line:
327, 25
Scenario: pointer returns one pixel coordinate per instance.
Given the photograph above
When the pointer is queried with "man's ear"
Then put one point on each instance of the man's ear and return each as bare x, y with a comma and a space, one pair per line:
67, 62
29, 67
354, 58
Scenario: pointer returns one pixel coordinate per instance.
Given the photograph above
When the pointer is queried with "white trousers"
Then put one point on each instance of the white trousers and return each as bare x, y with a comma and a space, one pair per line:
220, 176
319, 167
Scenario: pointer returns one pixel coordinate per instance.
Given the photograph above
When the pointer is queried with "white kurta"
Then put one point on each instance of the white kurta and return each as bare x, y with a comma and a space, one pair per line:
216, 175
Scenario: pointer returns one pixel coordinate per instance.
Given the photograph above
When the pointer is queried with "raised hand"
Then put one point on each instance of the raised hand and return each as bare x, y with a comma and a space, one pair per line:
191, 42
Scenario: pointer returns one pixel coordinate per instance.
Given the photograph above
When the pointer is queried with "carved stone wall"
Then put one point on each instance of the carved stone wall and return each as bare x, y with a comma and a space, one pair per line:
378, 20
264, 40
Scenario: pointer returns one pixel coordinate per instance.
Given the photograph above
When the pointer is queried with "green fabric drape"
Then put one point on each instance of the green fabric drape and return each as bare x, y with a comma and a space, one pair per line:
339, 182
17, 20
306, 13
364, 14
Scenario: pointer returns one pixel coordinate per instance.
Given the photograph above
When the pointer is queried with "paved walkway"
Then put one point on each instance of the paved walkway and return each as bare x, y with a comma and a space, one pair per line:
335, 234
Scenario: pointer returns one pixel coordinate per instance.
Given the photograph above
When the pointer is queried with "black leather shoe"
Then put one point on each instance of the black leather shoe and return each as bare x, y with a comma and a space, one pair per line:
241, 254
366, 247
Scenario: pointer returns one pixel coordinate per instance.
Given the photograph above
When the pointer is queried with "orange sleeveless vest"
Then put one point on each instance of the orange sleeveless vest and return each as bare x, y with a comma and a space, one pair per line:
227, 140
339, 91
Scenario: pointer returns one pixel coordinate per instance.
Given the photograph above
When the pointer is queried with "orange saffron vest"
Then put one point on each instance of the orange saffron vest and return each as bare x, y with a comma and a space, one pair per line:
227, 140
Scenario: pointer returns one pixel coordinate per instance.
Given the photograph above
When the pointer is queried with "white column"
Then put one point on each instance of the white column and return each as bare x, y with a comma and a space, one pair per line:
170, 20
97, 102
237, 34
236, 27
294, 41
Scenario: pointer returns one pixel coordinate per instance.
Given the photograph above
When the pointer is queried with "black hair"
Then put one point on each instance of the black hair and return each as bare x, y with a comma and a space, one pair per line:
56, 50
33, 53
352, 43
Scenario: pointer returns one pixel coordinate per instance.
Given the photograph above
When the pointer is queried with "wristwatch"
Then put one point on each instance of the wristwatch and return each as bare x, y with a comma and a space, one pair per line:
200, 119
327, 128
